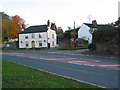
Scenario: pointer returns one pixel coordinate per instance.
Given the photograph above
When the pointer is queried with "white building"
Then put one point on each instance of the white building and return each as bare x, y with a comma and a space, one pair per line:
84, 31
38, 37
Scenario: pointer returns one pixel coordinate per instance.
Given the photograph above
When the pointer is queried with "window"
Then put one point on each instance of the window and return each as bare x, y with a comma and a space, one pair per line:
40, 43
26, 36
44, 40
52, 36
26, 43
40, 35
33, 35
52, 43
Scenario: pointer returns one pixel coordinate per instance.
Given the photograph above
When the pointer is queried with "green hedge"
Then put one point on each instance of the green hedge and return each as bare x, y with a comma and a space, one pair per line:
73, 48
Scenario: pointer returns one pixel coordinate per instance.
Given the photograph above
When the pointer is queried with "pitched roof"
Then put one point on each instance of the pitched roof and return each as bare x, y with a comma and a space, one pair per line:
35, 29
90, 25
93, 26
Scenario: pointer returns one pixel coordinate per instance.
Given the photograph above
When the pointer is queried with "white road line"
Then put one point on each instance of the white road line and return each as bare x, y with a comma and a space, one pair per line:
81, 64
77, 61
88, 65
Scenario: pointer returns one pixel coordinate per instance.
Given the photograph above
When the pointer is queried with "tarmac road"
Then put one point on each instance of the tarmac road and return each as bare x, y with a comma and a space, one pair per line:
101, 71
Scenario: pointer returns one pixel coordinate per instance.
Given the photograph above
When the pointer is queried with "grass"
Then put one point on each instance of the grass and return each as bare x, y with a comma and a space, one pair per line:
73, 48
19, 76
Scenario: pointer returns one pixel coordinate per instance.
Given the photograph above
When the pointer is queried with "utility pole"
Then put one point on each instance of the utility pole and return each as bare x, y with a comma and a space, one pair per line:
74, 29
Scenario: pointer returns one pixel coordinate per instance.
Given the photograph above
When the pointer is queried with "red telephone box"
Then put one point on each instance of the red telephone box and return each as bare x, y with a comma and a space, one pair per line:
72, 44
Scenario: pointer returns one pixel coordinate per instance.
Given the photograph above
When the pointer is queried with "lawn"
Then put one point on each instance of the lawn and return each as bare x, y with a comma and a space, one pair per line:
73, 48
19, 76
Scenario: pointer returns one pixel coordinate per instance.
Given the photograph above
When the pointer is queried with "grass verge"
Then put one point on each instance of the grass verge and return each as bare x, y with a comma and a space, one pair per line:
19, 76
73, 48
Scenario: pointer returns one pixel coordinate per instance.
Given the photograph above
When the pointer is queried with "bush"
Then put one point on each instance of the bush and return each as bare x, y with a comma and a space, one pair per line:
92, 46
106, 34
105, 40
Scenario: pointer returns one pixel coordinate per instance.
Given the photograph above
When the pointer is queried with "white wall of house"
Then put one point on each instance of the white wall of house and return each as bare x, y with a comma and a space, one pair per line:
52, 38
23, 40
84, 33
47, 37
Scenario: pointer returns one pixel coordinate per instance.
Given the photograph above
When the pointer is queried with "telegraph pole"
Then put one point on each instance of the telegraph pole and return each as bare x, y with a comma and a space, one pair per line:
74, 29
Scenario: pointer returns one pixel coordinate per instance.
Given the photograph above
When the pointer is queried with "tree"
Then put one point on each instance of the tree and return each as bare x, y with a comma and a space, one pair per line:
11, 26
15, 26
69, 28
59, 33
5, 26
91, 30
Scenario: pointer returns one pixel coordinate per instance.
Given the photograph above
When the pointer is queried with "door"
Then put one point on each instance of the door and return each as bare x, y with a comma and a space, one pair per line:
33, 44
48, 45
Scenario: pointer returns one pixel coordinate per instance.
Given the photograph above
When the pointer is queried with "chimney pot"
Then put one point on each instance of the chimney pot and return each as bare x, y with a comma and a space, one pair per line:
48, 23
94, 22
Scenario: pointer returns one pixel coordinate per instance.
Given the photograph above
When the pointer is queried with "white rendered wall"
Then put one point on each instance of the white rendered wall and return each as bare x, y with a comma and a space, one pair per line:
50, 39
30, 39
84, 33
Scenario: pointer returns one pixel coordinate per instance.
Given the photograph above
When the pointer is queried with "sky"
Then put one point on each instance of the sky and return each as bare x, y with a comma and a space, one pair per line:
62, 12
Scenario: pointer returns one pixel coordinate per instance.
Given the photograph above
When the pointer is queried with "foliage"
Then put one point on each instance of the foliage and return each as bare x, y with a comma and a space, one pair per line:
5, 26
69, 28
103, 35
19, 76
59, 33
5, 29
106, 40
15, 27
4, 15
71, 33
11, 26
91, 30
92, 46
73, 48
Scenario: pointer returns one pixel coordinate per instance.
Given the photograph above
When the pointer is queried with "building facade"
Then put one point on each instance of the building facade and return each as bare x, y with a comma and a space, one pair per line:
37, 37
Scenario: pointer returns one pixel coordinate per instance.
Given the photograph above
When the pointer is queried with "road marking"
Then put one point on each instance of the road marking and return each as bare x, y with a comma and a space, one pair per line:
78, 61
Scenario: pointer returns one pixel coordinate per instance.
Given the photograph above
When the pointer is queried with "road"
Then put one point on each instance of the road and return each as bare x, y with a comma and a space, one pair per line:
102, 71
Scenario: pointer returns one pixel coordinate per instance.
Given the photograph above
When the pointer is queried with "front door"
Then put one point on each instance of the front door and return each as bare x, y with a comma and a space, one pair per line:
48, 45
33, 44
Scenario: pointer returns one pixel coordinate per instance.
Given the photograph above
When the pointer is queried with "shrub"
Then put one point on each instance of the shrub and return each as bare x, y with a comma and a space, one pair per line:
92, 46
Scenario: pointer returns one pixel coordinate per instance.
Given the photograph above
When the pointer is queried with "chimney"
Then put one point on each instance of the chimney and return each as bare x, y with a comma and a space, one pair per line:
48, 23
94, 22
23, 27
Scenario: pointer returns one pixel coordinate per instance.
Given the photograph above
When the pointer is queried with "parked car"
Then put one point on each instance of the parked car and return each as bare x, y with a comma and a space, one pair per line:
10, 45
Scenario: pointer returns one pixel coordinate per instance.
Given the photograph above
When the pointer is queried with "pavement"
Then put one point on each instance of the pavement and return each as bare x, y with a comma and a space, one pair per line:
101, 71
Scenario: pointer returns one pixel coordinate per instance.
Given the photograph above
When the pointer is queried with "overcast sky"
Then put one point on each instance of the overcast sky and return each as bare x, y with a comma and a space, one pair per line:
62, 12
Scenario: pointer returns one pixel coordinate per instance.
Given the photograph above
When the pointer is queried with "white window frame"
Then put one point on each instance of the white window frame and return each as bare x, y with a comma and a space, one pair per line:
40, 42
27, 43
52, 36
53, 44
26, 36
